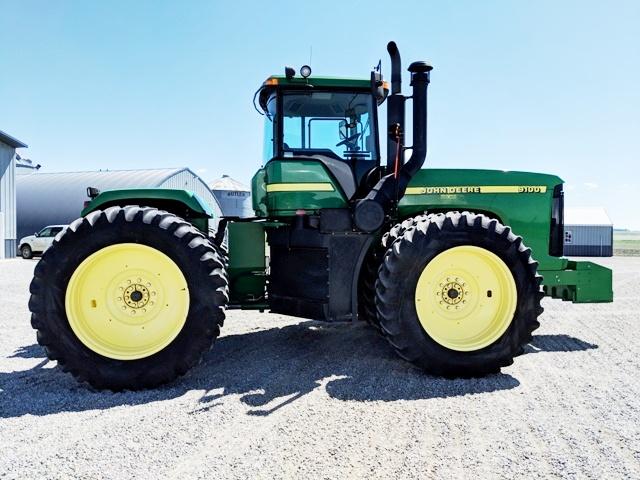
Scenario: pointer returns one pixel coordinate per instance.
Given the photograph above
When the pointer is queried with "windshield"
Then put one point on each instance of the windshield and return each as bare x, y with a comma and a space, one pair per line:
336, 124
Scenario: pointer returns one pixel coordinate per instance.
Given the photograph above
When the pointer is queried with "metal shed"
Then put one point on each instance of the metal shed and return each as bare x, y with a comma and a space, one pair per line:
588, 232
8, 146
233, 196
57, 198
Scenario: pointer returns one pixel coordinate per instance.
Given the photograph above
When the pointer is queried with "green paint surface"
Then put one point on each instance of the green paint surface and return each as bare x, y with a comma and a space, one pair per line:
580, 282
183, 203
247, 264
330, 82
281, 204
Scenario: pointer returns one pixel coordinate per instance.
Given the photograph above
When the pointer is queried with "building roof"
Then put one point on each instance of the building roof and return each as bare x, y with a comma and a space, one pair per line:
596, 216
228, 183
11, 141
102, 179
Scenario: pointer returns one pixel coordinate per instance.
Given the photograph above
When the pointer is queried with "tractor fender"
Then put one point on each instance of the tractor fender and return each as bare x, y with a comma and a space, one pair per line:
183, 203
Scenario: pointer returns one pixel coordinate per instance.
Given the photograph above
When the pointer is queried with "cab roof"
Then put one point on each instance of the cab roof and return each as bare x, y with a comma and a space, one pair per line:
335, 82
278, 81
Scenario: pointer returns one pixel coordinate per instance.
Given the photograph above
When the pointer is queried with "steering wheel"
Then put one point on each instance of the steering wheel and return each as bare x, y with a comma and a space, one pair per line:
349, 139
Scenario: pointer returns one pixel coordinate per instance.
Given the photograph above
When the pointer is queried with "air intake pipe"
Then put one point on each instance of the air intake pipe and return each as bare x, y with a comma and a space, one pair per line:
420, 78
369, 213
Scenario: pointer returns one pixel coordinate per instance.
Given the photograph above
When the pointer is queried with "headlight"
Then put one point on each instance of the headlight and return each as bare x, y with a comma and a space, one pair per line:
305, 71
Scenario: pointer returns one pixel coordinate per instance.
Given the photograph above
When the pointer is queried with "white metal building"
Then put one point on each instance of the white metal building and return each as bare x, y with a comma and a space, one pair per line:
57, 198
8, 146
588, 232
233, 196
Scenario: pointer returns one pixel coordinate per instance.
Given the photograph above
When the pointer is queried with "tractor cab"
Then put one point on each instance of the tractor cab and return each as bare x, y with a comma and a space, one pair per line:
330, 121
322, 146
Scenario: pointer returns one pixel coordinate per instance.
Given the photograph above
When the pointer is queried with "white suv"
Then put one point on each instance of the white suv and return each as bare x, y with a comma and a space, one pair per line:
39, 242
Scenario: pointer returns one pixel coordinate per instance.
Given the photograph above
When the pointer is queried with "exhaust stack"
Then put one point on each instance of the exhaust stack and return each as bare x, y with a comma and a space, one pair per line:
395, 110
370, 212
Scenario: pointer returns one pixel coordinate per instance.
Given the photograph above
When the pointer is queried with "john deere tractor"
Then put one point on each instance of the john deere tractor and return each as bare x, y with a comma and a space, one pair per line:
439, 261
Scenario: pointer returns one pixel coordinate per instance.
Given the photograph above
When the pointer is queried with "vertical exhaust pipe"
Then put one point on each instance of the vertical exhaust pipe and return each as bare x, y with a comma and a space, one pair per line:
396, 67
395, 110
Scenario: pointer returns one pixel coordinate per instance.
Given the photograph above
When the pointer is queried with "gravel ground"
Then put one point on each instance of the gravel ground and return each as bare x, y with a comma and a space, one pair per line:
279, 398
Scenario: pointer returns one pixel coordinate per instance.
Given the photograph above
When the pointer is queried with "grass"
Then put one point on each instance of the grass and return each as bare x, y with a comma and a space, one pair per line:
626, 244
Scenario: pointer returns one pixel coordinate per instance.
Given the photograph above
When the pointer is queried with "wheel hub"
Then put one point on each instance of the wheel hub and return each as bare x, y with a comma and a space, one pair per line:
136, 295
451, 292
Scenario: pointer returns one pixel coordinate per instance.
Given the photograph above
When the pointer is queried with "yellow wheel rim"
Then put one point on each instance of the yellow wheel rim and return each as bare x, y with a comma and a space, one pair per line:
466, 298
127, 301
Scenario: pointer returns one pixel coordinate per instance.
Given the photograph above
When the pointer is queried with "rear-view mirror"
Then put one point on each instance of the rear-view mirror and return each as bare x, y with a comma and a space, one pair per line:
342, 129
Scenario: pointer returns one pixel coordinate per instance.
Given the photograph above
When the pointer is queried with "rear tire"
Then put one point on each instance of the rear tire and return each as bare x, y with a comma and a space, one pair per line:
202, 267
406, 260
26, 252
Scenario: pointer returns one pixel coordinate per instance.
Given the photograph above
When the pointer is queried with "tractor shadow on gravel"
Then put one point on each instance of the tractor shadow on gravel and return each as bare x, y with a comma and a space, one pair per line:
267, 369
557, 343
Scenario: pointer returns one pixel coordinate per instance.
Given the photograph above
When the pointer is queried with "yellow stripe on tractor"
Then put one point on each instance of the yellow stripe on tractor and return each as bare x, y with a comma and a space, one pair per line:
300, 187
448, 190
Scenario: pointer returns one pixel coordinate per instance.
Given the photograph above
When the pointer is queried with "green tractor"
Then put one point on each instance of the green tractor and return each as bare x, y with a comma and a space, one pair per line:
134, 291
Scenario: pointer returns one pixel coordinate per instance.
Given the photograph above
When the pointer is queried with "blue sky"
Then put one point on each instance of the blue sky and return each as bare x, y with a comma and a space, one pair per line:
541, 86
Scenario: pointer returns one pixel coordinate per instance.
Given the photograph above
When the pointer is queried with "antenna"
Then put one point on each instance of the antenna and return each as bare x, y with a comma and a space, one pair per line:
310, 53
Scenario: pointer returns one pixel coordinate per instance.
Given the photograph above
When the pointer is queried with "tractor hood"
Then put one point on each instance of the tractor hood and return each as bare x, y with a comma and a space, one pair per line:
452, 181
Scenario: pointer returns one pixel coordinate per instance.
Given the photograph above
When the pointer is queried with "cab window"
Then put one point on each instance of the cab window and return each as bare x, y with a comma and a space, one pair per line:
335, 124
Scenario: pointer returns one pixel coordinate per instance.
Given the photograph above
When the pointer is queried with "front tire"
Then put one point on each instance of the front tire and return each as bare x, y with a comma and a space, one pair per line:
458, 294
128, 298
26, 252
